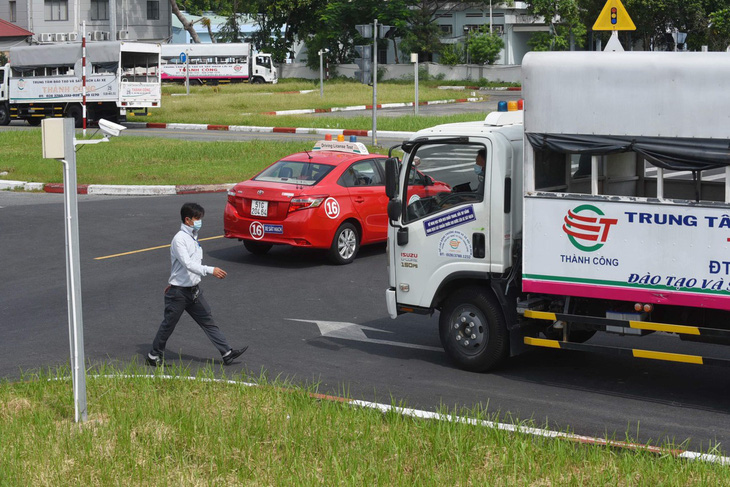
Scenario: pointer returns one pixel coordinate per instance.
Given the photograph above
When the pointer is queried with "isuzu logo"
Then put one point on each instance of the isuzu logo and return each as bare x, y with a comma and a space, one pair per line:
587, 228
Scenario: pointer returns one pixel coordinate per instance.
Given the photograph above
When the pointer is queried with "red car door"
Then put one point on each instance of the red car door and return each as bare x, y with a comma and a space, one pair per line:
364, 182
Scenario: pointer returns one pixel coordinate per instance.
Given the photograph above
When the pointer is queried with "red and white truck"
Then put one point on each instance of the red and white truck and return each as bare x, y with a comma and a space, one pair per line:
217, 63
604, 206
47, 81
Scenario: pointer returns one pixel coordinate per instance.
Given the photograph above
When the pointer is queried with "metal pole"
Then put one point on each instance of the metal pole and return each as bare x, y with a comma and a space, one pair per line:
83, 75
321, 75
187, 72
490, 16
73, 273
415, 73
375, 82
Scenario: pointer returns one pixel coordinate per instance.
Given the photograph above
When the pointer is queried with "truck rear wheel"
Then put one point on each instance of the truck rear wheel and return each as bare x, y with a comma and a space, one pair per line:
4, 114
473, 331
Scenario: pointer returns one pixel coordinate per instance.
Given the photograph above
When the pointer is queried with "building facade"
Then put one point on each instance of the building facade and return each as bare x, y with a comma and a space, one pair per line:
61, 20
510, 20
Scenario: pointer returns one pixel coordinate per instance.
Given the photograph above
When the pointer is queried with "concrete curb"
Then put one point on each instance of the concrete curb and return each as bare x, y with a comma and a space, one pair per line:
118, 189
255, 129
304, 111
486, 88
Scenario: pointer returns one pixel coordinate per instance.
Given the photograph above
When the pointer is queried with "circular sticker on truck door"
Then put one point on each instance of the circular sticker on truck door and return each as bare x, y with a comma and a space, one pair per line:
331, 208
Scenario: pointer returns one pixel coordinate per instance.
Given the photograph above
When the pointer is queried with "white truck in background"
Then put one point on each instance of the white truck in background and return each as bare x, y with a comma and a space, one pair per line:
215, 63
47, 81
603, 207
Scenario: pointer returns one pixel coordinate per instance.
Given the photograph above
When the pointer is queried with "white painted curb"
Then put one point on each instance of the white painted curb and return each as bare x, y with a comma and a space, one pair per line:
129, 190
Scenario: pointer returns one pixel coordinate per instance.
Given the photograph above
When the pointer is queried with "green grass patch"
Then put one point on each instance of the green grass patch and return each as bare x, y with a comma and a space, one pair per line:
143, 160
156, 431
244, 104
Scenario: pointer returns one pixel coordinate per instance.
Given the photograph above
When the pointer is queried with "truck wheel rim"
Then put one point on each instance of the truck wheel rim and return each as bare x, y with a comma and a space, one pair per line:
346, 244
469, 330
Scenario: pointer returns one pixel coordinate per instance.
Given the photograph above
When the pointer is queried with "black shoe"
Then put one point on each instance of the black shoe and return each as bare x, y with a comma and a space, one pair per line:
154, 360
233, 355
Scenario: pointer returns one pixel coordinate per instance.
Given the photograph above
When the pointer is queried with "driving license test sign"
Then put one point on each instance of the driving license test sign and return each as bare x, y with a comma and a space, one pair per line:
642, 252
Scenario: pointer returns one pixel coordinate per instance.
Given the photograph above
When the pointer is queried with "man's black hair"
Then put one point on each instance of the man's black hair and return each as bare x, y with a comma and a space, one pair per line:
191, 210
482, 153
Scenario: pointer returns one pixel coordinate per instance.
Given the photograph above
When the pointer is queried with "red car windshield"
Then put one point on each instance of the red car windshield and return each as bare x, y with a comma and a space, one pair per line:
295, 172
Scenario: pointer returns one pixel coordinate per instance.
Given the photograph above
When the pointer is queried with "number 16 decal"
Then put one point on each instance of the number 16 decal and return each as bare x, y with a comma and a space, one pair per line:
332, 208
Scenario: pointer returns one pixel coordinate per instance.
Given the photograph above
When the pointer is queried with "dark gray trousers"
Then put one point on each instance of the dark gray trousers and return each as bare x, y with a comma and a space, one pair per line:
179, 299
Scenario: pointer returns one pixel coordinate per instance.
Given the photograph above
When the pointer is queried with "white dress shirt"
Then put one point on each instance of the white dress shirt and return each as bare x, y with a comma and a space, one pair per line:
186, 257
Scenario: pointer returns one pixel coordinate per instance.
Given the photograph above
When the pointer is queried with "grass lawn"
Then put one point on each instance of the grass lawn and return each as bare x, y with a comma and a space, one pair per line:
244, 104
157, 431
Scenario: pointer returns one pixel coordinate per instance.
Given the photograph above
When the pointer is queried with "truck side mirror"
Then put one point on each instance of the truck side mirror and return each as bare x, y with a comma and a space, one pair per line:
391, 177
394, 209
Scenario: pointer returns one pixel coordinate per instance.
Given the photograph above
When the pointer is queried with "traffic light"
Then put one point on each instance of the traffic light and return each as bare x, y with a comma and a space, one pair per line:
364, 62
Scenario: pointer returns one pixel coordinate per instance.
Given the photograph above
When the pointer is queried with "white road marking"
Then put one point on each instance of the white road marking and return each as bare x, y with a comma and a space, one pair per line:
354, 332
446, 168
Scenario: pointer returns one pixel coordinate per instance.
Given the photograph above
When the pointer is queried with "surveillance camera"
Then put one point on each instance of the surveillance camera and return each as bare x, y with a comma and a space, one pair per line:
110, 129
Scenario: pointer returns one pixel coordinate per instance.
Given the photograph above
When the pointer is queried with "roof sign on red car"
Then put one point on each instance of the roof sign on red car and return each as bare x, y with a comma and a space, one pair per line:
352, 147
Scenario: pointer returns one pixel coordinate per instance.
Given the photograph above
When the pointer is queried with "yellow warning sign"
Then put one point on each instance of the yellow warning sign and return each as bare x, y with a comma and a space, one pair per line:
614, 17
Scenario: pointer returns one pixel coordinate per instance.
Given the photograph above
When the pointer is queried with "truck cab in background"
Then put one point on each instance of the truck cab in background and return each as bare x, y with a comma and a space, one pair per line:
602, 207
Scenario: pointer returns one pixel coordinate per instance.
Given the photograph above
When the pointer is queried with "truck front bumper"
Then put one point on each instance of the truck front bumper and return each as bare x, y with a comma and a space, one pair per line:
391, 303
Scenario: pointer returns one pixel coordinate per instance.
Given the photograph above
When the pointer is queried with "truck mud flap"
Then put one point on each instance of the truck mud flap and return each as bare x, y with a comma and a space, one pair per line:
627, 352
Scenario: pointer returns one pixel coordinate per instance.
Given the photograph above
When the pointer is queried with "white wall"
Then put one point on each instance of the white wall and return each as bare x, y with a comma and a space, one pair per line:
474, 72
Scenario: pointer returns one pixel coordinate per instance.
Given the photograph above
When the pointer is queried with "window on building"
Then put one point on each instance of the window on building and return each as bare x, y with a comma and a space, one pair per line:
446, 30
56, 9
99, 9
13, 12
153, 10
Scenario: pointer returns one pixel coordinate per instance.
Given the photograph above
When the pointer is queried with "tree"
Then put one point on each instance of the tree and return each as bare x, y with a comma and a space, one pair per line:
187, 25
719, 30
563, 18
281, 23
484, 47
452, 54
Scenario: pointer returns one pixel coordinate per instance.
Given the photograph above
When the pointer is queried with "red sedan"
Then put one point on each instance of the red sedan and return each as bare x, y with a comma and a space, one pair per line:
330, 198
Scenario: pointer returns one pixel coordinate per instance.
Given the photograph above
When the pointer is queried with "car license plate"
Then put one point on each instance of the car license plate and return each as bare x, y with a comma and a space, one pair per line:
259, 208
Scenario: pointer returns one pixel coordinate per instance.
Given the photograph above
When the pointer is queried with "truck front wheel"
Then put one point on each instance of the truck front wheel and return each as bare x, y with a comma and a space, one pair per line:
4, 114
473, 331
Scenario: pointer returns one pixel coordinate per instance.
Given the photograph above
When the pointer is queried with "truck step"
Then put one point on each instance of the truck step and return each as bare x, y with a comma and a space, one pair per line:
628, 327
628, 352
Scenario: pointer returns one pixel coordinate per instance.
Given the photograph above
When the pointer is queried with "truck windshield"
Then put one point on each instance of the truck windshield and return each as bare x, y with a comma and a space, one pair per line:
444, 176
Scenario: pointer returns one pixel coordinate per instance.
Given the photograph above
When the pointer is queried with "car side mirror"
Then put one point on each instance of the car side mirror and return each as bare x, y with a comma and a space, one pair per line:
391, 177
428, 180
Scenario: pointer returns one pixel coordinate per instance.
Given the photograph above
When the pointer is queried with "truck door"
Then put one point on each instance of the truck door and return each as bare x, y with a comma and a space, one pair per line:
446, 231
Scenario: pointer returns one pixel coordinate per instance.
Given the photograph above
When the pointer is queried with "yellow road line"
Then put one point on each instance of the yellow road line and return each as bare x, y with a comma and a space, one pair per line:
145, 250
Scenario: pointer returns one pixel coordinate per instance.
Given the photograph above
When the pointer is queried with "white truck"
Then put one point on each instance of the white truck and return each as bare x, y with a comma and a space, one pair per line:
604, 206
217, 63
47, 81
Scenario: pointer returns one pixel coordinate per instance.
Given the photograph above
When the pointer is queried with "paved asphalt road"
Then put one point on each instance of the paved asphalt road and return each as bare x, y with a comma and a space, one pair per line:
122, 307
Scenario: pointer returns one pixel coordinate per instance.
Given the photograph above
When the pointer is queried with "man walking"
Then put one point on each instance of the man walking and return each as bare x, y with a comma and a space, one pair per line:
184, 293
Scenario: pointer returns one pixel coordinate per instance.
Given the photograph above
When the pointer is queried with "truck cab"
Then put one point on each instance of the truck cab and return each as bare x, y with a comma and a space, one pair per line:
4, 108
602, 207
